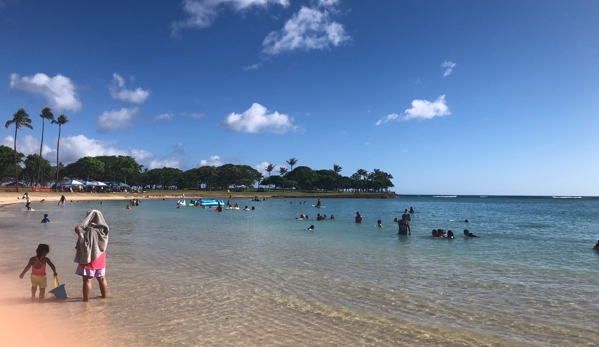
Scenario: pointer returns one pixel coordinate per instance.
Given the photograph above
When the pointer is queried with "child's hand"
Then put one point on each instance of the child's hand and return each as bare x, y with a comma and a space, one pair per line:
21, 275
55, 274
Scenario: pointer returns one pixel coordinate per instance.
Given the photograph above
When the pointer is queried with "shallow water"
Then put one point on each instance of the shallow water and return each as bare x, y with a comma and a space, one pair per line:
192, 276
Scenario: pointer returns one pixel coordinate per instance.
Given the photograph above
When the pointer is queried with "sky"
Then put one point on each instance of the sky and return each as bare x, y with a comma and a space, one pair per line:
464, 97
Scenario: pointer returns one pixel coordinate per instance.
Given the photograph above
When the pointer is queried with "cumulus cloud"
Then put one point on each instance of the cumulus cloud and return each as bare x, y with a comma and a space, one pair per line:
308, 29
58, 90
214, 160
421, 109
29, 145
257, 120
202, 13
262, 168
116, 120
167, 162
164, 116
120, 92
449, 65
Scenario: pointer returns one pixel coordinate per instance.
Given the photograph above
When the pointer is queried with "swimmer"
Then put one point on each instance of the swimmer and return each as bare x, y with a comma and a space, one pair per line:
246, 208
253, 208
469, 234
435, 233
450, 234
318, 203
129, 207
45, 220
466, 221
404, 226
596, 246
358, 217
379, 224
43, 200
310, 228
412, 209
332, 216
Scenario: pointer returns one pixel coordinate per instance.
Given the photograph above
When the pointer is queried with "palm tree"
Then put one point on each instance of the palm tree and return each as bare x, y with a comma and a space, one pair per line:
282, 172
46, 114
269, 169
292, 162
19, 119
337, 169
60, 121
362, 173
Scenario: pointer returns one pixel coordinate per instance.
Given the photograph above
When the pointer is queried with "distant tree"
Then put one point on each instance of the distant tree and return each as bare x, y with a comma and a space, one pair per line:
304, 176
33, 166
269, 168
46, 114
283, 180
7, 165
60, 121
20, 119
86, 167
292, 162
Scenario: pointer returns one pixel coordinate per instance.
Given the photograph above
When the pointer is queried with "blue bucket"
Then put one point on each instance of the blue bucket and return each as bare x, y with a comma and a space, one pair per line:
60, 292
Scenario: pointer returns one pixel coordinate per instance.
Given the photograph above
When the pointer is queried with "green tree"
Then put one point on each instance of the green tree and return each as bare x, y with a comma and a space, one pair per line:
292, 162
304, 176
60, 121
34, 165
269, 168
283, 180
87, 167
46, 114
337, 169
20, 119
7, 165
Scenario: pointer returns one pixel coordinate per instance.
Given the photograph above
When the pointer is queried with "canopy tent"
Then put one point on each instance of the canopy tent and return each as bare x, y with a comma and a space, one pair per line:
123, 184
72, 183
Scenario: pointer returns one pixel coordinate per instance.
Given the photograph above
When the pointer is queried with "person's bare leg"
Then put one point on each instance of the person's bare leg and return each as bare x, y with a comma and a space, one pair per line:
87, 287
33, 291
103, 286
42, 293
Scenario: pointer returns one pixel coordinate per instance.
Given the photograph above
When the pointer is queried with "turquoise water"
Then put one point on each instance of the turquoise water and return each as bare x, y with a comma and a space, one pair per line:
192, 276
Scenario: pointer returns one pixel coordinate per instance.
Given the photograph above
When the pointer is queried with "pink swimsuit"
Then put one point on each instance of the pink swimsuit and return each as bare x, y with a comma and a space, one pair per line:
41, 271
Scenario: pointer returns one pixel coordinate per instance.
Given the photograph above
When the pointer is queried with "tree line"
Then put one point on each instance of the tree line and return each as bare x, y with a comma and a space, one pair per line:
36, 170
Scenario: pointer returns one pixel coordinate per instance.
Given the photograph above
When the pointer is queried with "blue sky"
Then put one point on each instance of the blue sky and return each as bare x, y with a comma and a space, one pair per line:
450, 97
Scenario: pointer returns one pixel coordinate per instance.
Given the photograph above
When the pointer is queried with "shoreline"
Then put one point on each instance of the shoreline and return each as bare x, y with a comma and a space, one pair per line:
8, 198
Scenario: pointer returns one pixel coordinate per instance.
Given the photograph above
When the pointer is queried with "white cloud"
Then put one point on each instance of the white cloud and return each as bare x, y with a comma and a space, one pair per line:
197, 115
117, 119
421, 109
203, 12
328, 2
424, 109
72, 148
120, 92
262, 168
58, 90
29, 145
214, 160
252, 67
390, 117
168, 162
164, 116
257, 120
449, 65
308, 29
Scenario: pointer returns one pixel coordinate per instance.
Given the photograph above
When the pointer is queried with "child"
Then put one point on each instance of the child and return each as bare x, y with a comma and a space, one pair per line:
38, 270
45, 220
379, 224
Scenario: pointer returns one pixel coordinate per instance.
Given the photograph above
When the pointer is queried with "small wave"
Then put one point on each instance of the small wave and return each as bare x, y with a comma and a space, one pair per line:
444, 196
483, 196
567, 197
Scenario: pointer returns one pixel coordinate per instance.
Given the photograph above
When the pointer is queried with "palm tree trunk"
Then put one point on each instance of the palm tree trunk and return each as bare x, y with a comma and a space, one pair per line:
16, 171
57, 157
39, 162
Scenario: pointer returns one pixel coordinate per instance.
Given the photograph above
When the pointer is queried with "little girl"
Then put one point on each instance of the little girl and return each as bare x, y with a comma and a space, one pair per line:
38, 270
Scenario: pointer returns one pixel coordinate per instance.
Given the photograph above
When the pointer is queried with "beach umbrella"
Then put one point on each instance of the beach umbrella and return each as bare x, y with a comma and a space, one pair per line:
123, 184
76, 183
101, 184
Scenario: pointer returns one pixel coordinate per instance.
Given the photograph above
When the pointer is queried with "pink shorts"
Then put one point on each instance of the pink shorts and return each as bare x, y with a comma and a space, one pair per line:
81, 271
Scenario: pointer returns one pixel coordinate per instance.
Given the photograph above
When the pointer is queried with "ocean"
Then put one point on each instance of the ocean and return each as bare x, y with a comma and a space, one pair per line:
193, 276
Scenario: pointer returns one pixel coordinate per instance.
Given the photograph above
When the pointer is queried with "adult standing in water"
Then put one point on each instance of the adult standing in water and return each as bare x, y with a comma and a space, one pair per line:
62, 200
318, 203
404, 225
358, 217
92, 240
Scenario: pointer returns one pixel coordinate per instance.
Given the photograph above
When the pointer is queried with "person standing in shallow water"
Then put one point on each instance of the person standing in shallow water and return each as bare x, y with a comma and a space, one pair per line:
358, 217
92, 240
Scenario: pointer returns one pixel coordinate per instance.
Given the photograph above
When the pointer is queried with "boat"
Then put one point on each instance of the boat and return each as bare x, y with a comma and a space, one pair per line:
211, 202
